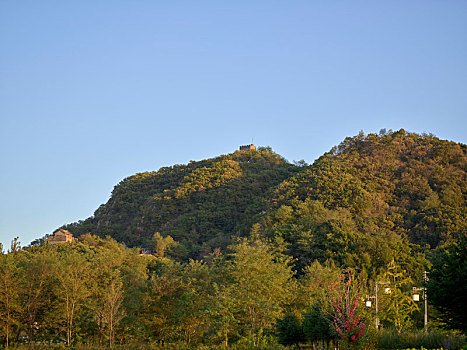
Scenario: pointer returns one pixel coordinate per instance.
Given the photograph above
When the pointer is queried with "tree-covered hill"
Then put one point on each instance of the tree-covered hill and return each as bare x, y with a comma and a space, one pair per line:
369, 200
201, 205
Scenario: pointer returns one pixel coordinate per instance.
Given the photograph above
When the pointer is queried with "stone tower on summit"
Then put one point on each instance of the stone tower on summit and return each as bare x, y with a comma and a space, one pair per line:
250, 147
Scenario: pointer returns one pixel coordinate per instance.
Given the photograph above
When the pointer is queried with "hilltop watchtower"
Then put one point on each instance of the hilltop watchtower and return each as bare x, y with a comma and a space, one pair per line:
251, 147
60, 236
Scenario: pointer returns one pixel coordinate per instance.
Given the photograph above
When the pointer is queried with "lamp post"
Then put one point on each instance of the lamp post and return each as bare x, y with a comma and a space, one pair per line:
368, 300
416, 297
368, 304
387, 290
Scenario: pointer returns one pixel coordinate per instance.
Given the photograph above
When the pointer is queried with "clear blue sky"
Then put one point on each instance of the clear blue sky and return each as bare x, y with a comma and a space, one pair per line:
94, 91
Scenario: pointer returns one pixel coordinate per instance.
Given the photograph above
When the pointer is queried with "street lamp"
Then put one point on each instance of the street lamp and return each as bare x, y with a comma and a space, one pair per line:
368, 300
387, 290
416, 297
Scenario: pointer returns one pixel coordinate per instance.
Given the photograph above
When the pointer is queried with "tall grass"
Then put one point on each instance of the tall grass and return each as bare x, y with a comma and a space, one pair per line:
391, 339
169, 346
384, 340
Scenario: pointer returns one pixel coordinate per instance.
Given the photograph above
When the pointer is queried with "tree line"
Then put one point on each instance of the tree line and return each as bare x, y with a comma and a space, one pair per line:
97, 292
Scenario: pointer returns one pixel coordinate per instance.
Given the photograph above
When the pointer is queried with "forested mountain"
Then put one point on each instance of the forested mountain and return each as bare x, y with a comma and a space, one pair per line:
201, 205
372, 198
250, 251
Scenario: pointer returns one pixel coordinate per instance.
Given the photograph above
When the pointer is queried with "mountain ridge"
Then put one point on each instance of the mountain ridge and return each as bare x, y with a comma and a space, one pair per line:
404, 190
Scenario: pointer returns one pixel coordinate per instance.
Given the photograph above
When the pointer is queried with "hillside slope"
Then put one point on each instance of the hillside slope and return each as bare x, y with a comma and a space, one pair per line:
371, 199
201, 205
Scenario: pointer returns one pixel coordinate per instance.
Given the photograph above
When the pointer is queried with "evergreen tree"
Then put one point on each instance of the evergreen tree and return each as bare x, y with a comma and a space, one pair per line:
289, 330
448, 283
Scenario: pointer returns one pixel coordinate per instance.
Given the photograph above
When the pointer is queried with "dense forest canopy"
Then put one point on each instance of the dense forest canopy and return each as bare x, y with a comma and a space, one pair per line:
248, 249
201, 205
369, 199
373, 198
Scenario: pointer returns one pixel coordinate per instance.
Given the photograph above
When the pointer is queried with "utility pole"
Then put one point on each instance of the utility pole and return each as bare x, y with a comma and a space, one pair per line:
425, 294
376, 306
386, 291
416, 296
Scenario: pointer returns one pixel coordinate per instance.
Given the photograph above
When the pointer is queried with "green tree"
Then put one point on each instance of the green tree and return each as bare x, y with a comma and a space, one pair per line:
316, 326
222, 313
112, 305
289, 330
116, 292
190, 318
10, 305
163, 291
261, 282
448, 283
313, 285
162, 244
36, 289
73, 275
400, 306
